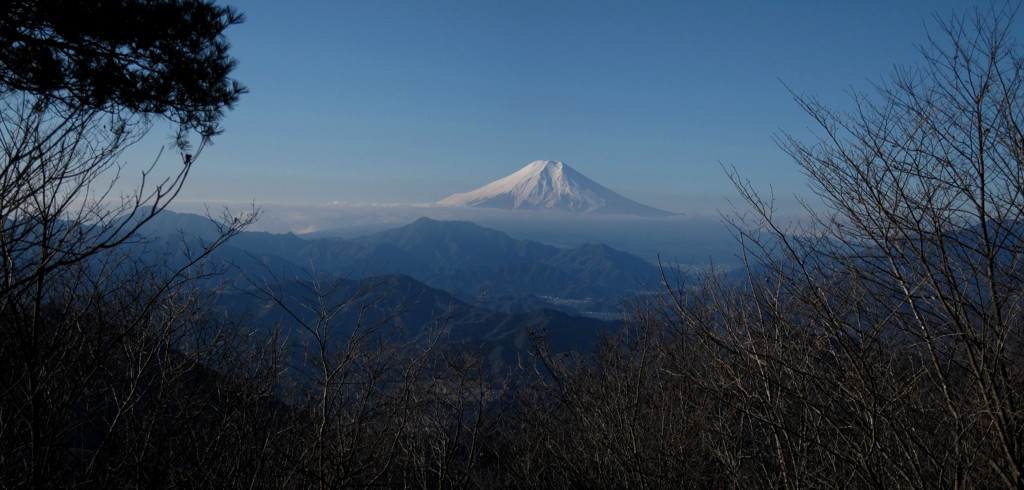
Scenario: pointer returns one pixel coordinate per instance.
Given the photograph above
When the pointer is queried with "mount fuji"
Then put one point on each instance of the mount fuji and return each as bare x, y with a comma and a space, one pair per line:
550, 185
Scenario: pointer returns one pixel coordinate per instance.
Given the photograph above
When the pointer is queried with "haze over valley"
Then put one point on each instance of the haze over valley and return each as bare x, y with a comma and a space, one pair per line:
546, 201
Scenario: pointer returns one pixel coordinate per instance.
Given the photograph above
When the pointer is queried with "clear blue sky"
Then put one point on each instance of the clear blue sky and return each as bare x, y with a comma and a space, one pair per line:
409, 101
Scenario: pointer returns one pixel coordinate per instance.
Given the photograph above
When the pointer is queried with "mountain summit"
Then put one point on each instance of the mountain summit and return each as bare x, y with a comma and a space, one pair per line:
550, 185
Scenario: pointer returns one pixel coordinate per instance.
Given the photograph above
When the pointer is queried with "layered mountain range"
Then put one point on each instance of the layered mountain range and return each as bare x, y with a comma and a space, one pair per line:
485, 289
456, 256
550, 185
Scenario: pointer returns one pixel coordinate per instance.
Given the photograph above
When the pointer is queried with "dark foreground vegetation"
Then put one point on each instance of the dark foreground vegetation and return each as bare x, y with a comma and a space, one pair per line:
877, 344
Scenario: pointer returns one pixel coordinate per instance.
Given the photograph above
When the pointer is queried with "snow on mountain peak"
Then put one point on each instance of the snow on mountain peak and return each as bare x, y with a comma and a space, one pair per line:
550, 185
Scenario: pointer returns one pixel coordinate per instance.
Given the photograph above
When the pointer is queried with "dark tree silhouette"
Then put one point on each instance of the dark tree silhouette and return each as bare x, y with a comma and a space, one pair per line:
167, 58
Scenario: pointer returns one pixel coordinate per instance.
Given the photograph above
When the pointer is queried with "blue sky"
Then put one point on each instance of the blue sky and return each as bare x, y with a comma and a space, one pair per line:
410, 101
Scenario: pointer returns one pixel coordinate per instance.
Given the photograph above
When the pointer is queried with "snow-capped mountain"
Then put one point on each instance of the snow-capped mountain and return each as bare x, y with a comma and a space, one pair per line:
550, 185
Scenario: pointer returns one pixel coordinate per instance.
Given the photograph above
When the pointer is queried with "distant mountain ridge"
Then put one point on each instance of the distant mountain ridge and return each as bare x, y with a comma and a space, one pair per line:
458, 256
550, 185
475, 260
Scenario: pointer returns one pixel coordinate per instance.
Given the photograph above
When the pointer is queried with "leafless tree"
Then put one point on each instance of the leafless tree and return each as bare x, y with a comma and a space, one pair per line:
93, 335
878, 342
